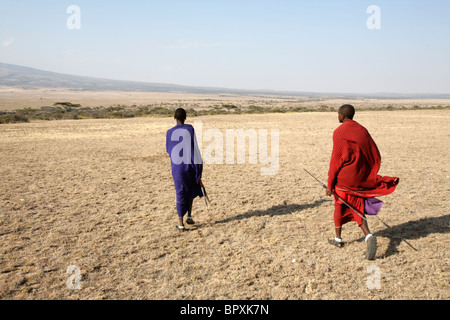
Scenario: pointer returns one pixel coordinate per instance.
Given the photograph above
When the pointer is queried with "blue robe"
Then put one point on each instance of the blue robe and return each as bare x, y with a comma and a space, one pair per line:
187, 165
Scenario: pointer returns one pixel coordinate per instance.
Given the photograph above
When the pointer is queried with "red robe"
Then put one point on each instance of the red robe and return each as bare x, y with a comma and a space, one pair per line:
353, 173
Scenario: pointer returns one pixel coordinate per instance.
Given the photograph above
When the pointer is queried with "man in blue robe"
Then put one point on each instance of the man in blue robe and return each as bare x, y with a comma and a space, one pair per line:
187, 166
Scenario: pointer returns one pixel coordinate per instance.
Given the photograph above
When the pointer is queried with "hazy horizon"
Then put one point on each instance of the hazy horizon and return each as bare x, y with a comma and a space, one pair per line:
131, 85
300, 46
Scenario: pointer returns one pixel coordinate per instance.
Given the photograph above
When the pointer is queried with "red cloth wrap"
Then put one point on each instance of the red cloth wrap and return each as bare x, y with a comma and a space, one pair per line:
353, 174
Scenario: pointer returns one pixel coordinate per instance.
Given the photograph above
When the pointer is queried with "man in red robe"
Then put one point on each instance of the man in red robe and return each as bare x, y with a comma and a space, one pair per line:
353, 176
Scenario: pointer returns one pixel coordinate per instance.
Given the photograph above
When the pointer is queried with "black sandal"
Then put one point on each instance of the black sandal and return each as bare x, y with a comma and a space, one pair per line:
181, 228
190, 221
335, 243
371, 250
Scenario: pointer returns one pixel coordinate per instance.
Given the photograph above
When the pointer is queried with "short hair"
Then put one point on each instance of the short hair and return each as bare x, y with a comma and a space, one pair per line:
348, 111
180, 114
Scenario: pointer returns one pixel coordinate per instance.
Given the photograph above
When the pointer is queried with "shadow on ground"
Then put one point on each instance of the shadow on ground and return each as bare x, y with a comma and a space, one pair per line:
275, 211
413, 230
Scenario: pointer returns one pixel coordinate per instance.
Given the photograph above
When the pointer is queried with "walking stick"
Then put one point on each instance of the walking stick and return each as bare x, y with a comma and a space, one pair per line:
205, 195
323, 185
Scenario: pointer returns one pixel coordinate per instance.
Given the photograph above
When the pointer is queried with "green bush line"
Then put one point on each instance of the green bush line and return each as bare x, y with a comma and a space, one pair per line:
67, 110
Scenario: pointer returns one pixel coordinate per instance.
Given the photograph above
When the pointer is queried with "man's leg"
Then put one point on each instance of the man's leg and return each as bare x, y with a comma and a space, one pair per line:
189, 213
338, 221
190, 202
182, 208
338, 232
338, 239
180, 226
365, 228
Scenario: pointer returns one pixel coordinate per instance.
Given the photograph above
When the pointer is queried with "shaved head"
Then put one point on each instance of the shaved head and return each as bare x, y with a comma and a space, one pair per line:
348, 111
180, 115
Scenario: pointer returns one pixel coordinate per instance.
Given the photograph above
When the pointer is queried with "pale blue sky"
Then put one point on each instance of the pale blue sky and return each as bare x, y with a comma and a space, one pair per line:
320, 46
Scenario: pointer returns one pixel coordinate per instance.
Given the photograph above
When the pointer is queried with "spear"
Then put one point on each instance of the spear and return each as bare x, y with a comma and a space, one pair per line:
323, 185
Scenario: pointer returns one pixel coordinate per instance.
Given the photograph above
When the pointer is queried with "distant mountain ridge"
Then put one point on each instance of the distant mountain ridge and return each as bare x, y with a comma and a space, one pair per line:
31, 78
28, 78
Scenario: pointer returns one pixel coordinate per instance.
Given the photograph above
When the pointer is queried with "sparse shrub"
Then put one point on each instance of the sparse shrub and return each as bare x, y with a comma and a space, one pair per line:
114, 109
324, 108
142, 111
67, 104
255, 109
229, 106
278, 110
192, 113
300, 109
68, 110
12, 118
161, 111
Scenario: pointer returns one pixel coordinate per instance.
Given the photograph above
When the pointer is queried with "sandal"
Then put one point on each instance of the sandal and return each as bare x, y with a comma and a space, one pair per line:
371, 247
190, 221
334, 242
181, 228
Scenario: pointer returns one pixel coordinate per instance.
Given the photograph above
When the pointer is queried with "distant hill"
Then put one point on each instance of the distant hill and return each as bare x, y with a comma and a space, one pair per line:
30, 78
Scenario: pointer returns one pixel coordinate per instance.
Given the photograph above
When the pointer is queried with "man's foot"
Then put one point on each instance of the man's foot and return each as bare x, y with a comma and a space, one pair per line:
371, 251
181, 228
336, 242
190, 221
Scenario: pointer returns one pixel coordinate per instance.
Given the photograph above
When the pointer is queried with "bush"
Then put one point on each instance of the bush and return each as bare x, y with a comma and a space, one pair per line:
114, 109
67, 104
12, 118
161, 111
255, 109
300, 109
229, 106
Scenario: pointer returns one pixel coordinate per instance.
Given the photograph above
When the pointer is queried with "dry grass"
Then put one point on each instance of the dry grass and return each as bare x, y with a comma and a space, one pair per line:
15, 98
99, 194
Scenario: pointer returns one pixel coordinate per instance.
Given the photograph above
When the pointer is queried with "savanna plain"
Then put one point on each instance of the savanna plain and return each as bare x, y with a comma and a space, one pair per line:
99, 195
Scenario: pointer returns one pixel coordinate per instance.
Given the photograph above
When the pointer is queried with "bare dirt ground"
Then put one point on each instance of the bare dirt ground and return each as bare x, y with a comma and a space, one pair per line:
98, 194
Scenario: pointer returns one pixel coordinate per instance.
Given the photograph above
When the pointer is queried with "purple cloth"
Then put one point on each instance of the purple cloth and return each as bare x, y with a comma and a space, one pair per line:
372, 206
187, 165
